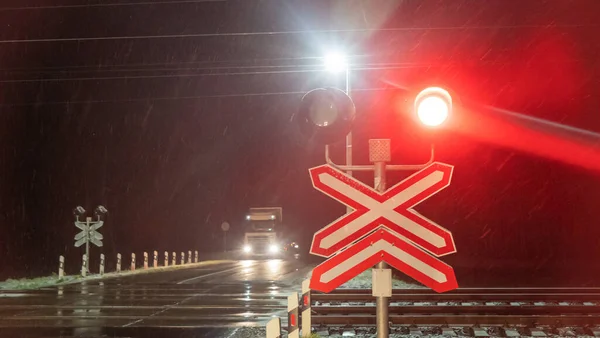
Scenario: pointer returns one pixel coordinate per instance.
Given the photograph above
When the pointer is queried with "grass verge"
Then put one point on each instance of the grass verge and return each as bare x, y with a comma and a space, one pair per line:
36, 283
41, 282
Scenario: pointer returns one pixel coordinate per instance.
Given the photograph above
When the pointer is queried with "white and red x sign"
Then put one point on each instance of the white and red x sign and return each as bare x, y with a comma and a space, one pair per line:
379, 246
392, 209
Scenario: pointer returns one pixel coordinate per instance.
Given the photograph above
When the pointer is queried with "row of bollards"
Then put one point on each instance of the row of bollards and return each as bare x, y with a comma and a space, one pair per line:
85, 262
294, 307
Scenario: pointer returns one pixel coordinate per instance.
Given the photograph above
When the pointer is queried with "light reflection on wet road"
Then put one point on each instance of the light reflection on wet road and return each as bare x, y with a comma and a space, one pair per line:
205, 301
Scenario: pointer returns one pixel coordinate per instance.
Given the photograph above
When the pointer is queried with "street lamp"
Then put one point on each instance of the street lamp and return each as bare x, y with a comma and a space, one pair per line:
78, 211
433, 106
100, 211
335, 62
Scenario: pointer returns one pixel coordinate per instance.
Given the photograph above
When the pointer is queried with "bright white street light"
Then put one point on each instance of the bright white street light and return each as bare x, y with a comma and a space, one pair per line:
247, 248
433, 106
335, 62
273, 248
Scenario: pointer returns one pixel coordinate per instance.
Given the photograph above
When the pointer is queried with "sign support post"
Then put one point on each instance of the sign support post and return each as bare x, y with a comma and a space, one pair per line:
225, 228
379, 154
88, 222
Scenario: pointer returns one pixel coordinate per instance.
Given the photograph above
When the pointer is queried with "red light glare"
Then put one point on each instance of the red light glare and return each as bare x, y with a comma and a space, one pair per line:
432, 111
433, 106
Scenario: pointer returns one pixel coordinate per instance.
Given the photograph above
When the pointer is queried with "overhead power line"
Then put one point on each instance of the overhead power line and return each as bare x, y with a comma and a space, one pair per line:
275, 33
191, 75
239, 64
177, 98
155, 64
114, 4
133, 68
133, 77
297, 70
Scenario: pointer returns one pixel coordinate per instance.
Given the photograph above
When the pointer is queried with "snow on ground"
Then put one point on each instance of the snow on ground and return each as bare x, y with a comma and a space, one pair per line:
365, 280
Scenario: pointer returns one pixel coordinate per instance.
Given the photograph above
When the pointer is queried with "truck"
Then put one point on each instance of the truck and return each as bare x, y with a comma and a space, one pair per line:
261, 229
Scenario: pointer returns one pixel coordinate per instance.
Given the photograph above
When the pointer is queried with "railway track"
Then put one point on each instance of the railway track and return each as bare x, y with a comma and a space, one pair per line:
529, 307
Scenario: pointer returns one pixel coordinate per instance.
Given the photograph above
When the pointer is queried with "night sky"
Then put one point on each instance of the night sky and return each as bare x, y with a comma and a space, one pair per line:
178, 115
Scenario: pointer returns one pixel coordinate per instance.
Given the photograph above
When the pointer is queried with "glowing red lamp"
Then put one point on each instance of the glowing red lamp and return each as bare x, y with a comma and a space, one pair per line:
433, 106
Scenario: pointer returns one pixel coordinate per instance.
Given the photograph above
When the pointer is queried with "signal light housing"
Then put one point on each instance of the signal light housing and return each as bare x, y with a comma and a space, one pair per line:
326, 115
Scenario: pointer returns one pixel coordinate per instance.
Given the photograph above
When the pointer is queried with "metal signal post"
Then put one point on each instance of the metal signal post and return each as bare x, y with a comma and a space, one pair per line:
393, 232
89, 233
379, 154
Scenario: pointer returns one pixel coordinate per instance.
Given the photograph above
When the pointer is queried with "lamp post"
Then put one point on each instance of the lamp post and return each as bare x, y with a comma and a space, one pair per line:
335, 63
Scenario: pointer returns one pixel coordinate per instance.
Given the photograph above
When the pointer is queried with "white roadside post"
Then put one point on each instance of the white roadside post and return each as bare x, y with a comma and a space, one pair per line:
174, 259
166, 258
182, 258
196, 256
132, 262
274, 328
61, 267
118, 263
306, 319
189, 257
145, 261
155, 264
87, 263
293, 330
84, 266
101, 264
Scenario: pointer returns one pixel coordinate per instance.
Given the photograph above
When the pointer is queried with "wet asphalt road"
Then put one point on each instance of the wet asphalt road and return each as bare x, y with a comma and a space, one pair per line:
229, 299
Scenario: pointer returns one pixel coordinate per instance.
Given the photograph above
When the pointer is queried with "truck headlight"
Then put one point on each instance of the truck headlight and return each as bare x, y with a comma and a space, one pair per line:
273, 248
247, 248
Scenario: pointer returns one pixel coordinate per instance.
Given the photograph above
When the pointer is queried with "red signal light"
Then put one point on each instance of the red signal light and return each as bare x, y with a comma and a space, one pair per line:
433, 106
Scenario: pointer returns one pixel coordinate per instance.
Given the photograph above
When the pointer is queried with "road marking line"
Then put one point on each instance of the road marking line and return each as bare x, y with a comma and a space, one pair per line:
207, 275
233, 333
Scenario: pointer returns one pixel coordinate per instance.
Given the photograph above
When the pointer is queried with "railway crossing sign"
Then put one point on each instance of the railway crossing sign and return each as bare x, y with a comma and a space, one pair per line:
89, 233
383, 245
395, 232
